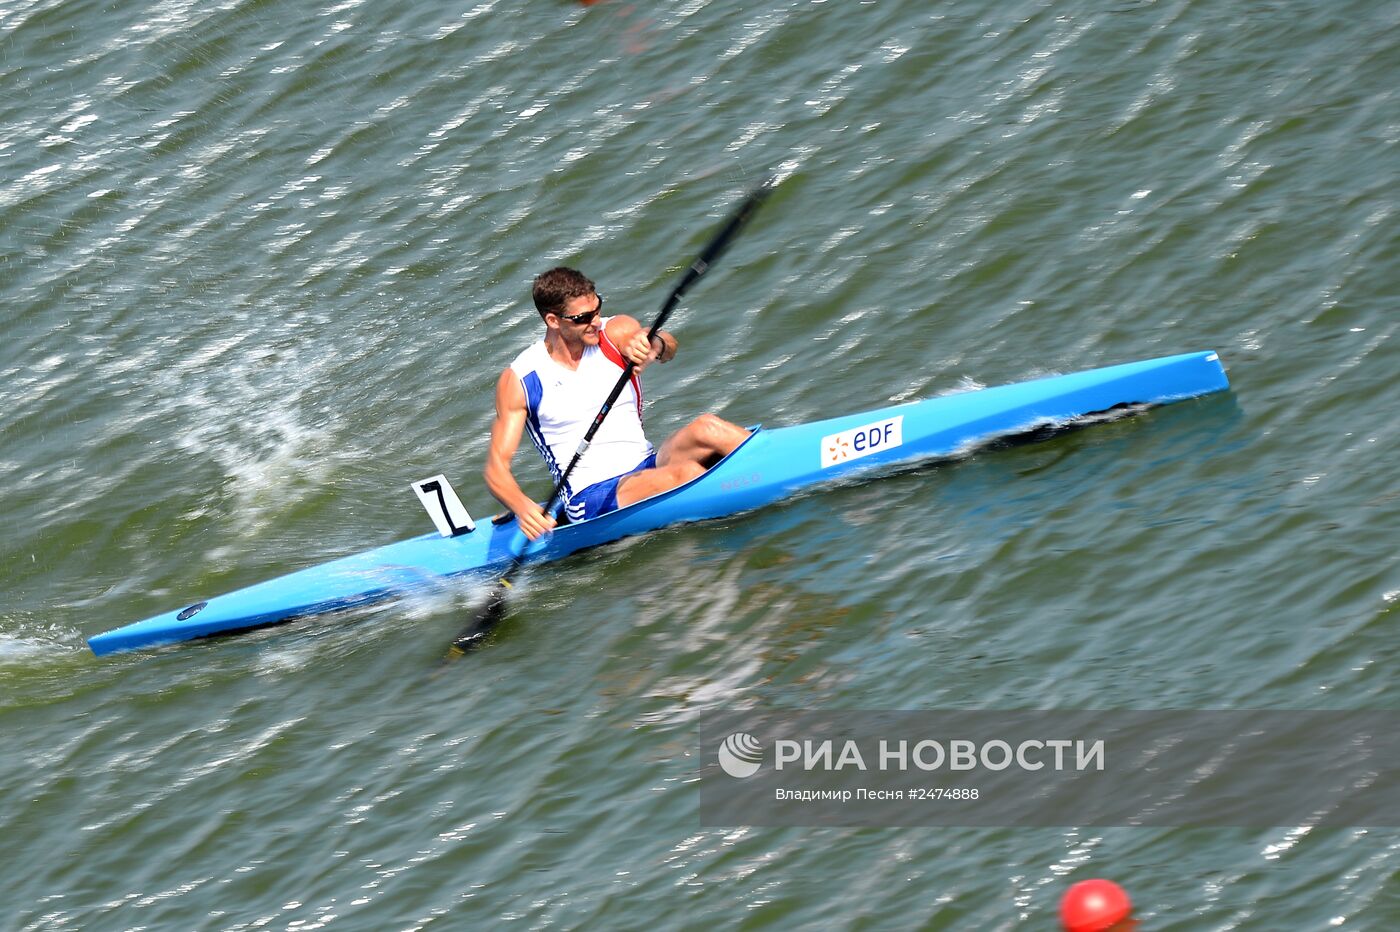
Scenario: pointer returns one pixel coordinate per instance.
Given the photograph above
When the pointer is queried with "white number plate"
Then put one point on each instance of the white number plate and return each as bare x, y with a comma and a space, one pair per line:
443, 506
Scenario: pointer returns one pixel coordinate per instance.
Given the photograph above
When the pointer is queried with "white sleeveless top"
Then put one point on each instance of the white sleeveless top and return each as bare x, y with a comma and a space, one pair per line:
561, 404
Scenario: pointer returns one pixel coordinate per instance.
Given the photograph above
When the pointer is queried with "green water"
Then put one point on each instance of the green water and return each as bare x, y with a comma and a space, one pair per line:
261, 263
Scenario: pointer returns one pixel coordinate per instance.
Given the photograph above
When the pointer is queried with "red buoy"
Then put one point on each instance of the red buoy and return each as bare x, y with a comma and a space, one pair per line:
1094, 906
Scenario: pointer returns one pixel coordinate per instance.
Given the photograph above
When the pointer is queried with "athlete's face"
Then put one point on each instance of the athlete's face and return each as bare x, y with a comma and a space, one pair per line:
581, 318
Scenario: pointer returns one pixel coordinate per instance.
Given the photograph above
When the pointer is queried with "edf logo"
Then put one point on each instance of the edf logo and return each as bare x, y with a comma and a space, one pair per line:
862, 441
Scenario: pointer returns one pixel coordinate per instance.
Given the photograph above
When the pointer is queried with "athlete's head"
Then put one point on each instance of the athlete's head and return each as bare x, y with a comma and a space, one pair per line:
555, 288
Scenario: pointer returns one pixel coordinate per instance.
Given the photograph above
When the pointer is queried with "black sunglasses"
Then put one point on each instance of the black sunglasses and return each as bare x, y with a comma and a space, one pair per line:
587, 317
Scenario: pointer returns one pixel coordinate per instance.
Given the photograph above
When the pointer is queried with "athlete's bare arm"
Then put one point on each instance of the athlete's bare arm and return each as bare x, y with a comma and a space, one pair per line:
630, 338
506, 430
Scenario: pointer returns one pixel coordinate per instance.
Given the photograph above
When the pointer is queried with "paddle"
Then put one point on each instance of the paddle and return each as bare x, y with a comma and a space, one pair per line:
491, 612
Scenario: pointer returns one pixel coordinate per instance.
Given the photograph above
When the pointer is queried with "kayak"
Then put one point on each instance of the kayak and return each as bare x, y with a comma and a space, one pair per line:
768, 466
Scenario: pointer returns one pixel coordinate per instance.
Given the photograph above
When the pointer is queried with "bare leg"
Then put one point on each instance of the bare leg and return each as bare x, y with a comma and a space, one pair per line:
686, 454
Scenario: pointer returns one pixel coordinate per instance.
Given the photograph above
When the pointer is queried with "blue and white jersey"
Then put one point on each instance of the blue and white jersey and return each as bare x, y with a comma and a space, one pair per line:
562, 402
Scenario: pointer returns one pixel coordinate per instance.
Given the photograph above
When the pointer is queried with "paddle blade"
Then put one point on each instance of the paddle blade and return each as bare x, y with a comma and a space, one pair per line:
475, 633
736, 222
741, 216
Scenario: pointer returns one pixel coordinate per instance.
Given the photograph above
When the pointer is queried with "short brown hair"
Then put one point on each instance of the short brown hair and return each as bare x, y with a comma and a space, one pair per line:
557, 286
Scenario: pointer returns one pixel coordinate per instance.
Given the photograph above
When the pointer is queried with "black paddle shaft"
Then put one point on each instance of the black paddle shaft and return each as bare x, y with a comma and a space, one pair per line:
495, 605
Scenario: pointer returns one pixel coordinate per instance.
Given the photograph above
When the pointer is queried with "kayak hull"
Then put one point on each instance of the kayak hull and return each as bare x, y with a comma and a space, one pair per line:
769, 466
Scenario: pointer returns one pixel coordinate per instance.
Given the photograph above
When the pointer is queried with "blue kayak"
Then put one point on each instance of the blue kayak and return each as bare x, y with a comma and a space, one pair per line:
768, 466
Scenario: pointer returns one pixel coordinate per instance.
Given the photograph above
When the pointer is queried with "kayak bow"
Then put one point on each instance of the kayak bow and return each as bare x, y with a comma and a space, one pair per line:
768, 466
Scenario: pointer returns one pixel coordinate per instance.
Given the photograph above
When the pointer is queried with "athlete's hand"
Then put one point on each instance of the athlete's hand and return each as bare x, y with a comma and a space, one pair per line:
534, 522
640, 351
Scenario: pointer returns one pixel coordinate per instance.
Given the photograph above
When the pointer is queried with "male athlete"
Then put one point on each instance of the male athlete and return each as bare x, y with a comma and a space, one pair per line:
554, 390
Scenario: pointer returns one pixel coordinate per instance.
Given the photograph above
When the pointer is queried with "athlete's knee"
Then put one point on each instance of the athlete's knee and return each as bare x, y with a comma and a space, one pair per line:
715, 432
706, 424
